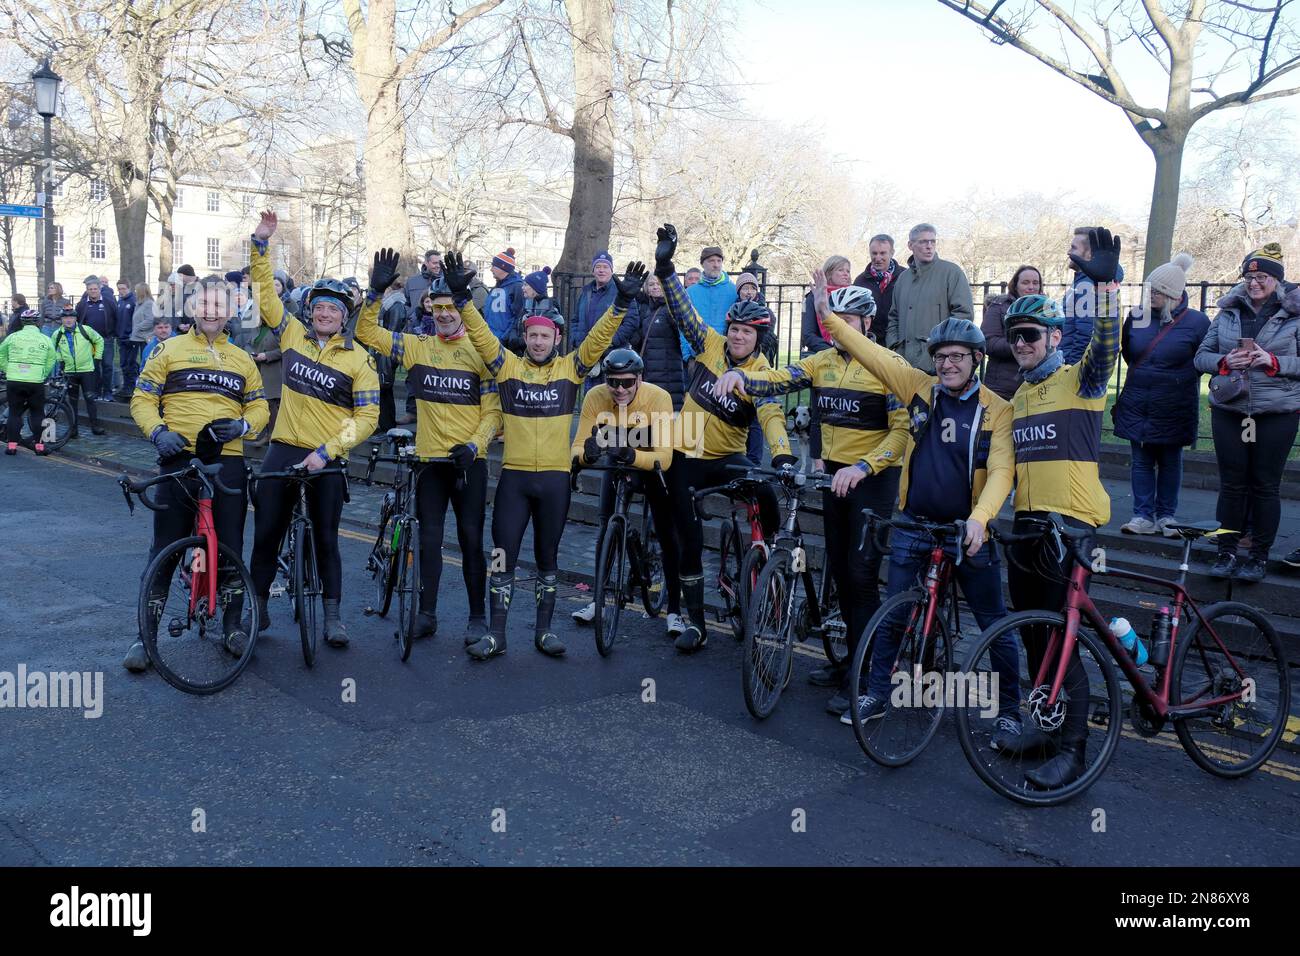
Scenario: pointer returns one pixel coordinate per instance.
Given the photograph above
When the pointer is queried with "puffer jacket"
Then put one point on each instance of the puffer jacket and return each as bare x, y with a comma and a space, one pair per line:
1271, 390
649, 330
1161, 394
1002, 373
142, 322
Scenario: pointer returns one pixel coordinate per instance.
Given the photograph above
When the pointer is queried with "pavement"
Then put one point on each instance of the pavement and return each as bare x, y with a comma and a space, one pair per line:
646, 757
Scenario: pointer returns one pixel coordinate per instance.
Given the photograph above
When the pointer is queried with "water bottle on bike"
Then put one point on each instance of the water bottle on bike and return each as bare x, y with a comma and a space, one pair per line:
1123, 630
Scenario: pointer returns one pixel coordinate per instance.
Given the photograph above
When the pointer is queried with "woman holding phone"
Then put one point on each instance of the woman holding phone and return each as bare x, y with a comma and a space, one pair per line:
1252, 352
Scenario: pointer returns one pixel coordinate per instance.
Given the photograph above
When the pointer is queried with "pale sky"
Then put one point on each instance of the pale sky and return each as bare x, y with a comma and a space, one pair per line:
944, 109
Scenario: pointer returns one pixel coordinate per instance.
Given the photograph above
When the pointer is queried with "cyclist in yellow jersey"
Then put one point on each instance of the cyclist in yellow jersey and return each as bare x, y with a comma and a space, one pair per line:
864, 434
329, 403
1056, 427
712, 432
632, 420
459, 415
538, 393
197, 396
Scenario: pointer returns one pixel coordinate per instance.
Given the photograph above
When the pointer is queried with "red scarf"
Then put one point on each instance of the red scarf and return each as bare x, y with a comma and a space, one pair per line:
821, 328
884, 278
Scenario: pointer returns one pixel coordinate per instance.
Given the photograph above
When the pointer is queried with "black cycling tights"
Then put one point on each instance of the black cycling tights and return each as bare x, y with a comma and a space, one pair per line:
1043, 591
274, 503
543, 497
437, 486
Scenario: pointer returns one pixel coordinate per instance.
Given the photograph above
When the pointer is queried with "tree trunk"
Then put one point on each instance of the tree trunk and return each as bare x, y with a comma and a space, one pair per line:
130, 215
591, 205
166, 242
1168, 151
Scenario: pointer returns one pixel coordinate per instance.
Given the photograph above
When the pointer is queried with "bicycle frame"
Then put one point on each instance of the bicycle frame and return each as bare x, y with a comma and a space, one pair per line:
1079, 606
204, 577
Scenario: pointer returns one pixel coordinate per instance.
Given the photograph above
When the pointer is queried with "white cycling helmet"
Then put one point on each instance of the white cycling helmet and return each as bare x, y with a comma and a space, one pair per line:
853, 300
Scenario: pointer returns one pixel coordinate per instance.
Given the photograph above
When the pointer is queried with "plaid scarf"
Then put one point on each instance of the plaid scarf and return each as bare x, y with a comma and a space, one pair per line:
884, 278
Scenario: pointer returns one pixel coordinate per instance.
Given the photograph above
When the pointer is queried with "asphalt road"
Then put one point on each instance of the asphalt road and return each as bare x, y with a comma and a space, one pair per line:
522, 760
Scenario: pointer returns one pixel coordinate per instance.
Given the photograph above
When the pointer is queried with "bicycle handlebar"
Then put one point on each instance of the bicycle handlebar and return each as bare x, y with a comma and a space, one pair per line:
209, 474
939, 531
300, 472
603, 464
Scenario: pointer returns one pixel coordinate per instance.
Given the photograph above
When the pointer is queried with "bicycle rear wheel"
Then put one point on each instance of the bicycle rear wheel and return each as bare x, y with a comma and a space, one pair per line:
186, 646
382, 564
1234, 737
308, 598
56, 425
983, 703
653, 586
729, 558
835, 633
769, 636
750, 568
408, 585
920, 664
609, 592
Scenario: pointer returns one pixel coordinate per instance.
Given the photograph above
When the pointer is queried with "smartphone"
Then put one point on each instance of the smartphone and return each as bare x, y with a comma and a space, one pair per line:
1246, 345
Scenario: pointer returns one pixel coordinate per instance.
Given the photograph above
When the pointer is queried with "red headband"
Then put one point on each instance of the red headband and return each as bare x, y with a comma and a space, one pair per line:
540, 320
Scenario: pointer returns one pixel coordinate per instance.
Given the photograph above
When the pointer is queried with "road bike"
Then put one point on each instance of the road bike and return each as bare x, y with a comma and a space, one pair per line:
394, 559
628, 554
925, 623
1219, 675
768, 657
297, 559
195, 591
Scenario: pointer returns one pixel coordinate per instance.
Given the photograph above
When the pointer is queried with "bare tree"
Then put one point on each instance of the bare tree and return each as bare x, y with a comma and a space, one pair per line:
1203, 48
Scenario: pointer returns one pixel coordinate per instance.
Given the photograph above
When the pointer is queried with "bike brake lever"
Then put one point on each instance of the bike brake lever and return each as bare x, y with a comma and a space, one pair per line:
125, 484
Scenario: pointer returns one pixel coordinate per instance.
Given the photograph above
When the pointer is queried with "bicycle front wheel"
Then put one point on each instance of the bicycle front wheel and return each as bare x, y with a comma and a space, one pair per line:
1236, 687
382, 564
308, 597
56, 424
408, 586
835, 632
750, 568
920, 661
184, 638
768, 654
609, 593
729, 558
988, 693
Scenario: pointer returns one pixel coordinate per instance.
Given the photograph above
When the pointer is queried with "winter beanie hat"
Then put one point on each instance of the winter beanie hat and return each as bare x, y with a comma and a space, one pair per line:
603, 256
744, 279
711, 251
539, 280
1170, 279
505, 261
1267, 260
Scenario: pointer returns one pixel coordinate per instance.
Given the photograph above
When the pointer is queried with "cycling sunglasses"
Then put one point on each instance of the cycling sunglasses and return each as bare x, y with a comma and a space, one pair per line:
623, 383
1030, 334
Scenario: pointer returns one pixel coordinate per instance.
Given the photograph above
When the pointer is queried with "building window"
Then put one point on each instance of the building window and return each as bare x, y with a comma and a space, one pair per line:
250, 204
243, 252
98, 245
214, 201
214, 253
98, 191
178, 251
180, 199
355, 218
321, 214
58, 241
57, 191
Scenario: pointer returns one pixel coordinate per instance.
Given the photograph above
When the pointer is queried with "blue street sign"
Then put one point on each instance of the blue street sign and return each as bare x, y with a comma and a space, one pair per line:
24, 212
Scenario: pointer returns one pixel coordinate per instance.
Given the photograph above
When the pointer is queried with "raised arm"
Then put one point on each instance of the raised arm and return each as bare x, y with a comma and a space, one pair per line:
269, 307
488, 346
688, 322
891, 368
1102, 354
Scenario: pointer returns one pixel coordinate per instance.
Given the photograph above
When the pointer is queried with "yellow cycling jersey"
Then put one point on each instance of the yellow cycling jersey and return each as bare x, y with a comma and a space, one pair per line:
537, 401
188, 383
330, 399
645, 423
861, 420
709, 427
455, 394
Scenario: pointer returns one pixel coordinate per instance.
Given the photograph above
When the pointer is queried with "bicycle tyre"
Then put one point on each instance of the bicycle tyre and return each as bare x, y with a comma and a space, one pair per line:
611, 567
966, 733
769, 639
382, 564
63, 416
149, 635
408, 586
751, 566
835, 630
729, 558
1203, 755
654, 588
937, 656
308, 599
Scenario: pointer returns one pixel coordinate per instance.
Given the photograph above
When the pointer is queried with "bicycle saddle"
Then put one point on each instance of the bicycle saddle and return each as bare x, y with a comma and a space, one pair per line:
399, 434
1191, 532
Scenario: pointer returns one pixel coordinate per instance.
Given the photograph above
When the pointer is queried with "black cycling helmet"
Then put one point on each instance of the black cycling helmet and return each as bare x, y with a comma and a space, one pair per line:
955, 331
622, 362
328, 289
751, 313
438, 289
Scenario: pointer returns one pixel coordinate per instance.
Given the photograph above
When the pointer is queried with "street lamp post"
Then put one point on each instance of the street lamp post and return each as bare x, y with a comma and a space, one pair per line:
47, 83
